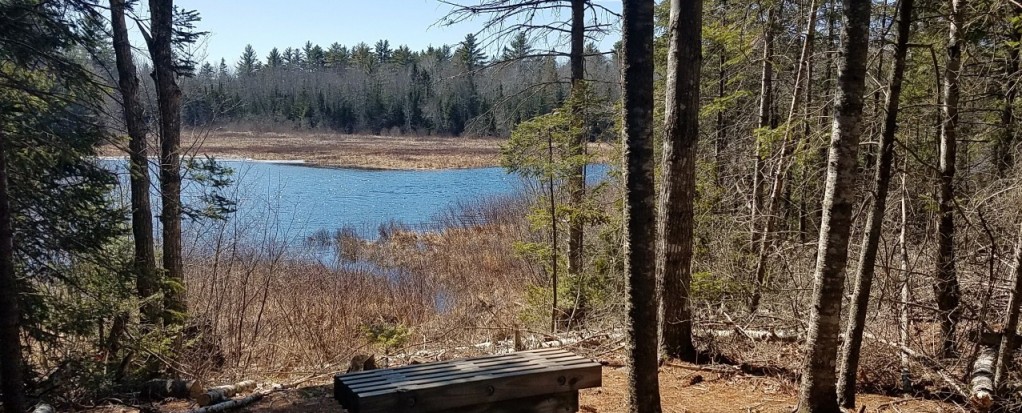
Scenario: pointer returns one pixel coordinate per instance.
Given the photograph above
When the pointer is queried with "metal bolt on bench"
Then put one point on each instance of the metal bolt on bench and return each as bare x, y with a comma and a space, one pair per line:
535, 381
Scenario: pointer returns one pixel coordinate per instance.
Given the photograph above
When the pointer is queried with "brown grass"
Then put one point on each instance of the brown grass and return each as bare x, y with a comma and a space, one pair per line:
276, 314
343, 150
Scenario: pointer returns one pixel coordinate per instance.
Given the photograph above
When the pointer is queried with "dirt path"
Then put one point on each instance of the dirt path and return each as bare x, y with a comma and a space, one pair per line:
684, 388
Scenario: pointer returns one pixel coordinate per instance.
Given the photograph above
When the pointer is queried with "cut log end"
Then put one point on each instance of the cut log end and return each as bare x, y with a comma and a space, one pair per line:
164, 388
982, 395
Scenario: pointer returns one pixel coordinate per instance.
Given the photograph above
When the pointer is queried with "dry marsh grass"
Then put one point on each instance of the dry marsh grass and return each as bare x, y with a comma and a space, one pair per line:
274, 313
350, 151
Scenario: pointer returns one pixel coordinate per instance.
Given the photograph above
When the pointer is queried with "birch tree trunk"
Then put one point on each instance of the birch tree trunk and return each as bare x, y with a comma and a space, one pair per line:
906, 288
640, 214
147, 276
169, 98
675, 220
818, 391
945, 286
1006, 349
863, 282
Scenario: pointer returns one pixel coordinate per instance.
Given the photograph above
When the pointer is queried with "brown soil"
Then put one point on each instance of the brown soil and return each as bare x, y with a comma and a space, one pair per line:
684, 388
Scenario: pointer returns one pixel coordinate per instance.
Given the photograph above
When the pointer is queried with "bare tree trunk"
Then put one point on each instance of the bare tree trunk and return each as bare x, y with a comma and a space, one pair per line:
12, 382
818, 392
675, 220
719, 142
553, 237
1007, 346
766, 92
906, 288
780, 171
640, 213
874, 221
169, 97
576, 182
945, 287
1004, 150
148, 282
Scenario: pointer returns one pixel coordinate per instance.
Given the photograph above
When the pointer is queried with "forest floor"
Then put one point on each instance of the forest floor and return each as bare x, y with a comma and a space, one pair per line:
684, 387
343, 150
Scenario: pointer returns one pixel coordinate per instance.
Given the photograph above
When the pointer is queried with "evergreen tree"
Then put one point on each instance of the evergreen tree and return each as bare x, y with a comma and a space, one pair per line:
363, 57
470, 53
383, 51
249, 61
54, 203
273, 59
403, 56
337, 56
518, 48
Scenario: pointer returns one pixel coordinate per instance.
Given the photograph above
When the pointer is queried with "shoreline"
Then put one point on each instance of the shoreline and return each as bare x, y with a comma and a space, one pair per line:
348, 151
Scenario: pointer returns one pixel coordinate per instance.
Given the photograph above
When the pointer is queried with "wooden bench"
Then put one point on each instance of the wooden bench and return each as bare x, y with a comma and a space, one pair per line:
535, 381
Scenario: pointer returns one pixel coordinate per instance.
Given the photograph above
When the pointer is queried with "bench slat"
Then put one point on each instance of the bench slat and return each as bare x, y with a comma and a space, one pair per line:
546, 378
441, 379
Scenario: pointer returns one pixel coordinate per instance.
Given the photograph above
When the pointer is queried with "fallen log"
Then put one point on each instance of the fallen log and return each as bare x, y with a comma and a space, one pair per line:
982, 383
927, 362
221, 394
44, 408
232, 404
164, 388
779, 336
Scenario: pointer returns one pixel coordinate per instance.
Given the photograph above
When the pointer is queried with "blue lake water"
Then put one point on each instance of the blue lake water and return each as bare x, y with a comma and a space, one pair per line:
292, 202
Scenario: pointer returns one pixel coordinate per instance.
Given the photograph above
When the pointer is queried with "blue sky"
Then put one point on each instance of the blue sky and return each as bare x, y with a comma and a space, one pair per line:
290, 23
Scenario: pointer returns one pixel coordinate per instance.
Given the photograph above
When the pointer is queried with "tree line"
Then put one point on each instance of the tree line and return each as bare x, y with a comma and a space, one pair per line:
445, 90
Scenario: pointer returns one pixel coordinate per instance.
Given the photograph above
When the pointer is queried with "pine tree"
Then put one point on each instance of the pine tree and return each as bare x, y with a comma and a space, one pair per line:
470, 54
383, 51
273, 59
518, 48
249, 62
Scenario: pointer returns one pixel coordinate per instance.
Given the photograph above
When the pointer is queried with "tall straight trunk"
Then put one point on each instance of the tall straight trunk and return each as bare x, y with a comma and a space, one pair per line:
12, 382
169, 97
1007, 346
874, 221
1004, 150
780, 170
766, 92
148, 277
640, 213
818, 391
719, 142
577, 182
906, 288
675, 220
945, 286
554, 311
